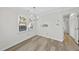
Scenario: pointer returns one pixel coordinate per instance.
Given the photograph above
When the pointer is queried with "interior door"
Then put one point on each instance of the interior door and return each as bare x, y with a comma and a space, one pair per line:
73, 25
66, 24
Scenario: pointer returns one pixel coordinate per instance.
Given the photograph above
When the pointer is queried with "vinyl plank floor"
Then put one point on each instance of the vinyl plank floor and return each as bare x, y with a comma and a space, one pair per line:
39, 43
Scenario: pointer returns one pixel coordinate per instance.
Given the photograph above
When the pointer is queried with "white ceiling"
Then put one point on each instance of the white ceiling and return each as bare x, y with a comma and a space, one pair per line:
45, 10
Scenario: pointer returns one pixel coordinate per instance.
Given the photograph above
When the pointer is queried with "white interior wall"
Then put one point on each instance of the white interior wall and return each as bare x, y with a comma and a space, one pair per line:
78, 29
9, 34
54, 29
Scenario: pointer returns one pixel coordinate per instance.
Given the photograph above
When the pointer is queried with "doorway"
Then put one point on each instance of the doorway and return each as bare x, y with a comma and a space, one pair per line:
71, 26
66, 24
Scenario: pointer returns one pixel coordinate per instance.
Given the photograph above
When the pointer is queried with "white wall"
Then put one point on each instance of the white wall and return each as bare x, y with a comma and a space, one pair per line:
78, 29
9, 34
55, 26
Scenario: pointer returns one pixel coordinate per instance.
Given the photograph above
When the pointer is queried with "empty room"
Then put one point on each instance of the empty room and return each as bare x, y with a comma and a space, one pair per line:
39, 29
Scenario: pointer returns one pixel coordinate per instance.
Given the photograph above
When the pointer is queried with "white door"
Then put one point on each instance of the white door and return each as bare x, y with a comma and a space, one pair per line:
73, 25
66, 25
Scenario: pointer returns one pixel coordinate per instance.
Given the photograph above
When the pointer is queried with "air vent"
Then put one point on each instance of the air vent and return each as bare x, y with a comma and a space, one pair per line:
45, 25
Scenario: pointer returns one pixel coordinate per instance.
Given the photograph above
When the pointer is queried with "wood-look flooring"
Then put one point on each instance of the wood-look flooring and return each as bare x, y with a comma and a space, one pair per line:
39, 43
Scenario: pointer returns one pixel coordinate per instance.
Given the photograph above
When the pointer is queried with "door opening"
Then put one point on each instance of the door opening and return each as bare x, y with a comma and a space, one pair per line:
71, 26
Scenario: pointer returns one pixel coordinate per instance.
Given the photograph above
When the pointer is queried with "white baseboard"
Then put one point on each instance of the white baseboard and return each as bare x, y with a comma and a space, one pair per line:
16, 43
28, 38
50, 37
